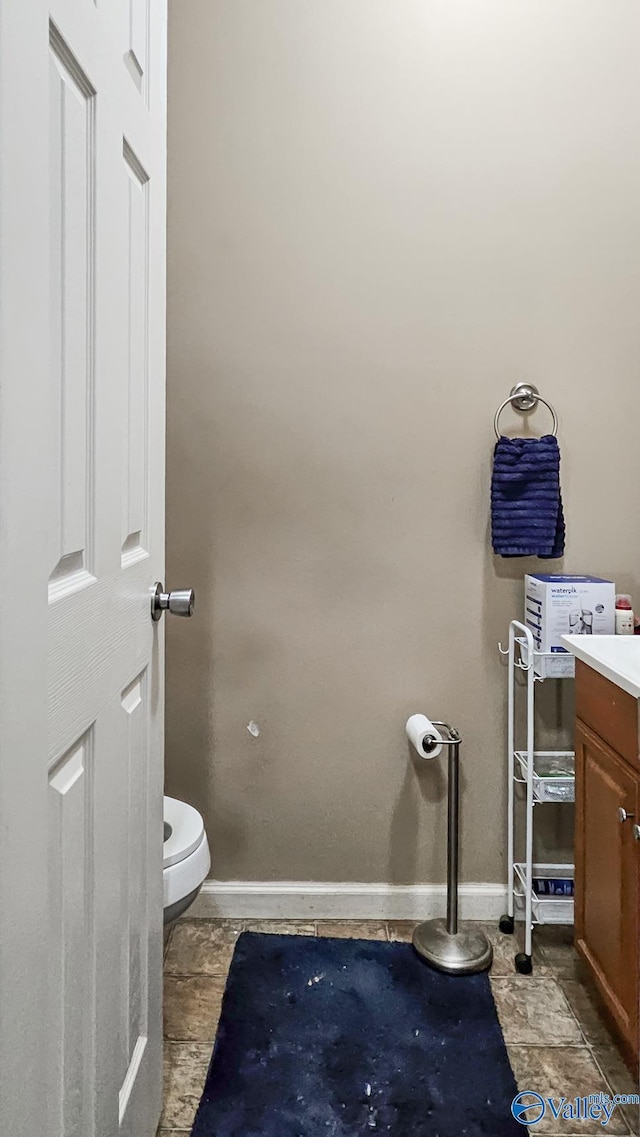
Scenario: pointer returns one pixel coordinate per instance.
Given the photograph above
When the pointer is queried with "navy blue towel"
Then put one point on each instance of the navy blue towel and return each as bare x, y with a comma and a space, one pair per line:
526, 503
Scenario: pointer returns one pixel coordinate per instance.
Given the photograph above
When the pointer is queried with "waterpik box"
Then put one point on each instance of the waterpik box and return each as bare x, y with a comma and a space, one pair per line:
556, 606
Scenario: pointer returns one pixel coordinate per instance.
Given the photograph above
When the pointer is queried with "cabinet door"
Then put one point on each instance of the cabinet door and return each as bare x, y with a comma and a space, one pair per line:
606, 901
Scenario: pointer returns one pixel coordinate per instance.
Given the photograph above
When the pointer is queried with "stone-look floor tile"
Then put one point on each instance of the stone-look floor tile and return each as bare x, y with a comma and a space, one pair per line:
554, 937
620, 1079
554, 944
282, 927
534, 1011
562, 1071
192, 1007
352, 929
202, 947
504, 951
402, 930
528, 1013
585, 1008
185, 1070
584, 1005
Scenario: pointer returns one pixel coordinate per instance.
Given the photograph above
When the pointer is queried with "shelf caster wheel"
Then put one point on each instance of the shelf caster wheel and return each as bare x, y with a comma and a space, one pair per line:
523, 963
507, 925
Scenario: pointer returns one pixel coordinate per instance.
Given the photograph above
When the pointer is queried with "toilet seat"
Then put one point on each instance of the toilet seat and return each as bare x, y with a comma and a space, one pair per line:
186, 856
187, 829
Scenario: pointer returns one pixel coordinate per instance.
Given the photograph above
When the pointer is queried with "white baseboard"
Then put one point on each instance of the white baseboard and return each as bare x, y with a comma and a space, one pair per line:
301, 899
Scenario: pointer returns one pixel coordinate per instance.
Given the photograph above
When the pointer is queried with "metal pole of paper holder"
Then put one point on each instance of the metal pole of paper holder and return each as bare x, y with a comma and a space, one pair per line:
443, 943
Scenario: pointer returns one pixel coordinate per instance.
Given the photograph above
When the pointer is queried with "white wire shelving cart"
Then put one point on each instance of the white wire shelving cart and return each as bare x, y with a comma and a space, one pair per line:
536, 892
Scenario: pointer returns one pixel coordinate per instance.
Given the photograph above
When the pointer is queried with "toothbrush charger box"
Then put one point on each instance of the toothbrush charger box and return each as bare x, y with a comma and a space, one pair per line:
557, 606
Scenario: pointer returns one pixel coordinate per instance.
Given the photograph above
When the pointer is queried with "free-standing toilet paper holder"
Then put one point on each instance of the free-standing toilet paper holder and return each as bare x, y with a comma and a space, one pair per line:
444, 943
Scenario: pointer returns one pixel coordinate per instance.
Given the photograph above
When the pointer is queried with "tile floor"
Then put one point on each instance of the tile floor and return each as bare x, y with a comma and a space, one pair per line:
556, 1041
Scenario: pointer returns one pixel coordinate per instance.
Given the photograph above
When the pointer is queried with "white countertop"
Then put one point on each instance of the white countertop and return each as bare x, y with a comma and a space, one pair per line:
615, 657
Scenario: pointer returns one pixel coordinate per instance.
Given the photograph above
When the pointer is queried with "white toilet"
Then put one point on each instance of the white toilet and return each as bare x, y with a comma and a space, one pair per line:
187, 859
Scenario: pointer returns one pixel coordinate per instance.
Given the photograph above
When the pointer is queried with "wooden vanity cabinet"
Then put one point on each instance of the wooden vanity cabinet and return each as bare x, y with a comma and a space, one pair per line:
607, 849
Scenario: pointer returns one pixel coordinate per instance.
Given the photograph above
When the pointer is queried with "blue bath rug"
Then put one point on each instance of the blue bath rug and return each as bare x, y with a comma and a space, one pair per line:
354, 1038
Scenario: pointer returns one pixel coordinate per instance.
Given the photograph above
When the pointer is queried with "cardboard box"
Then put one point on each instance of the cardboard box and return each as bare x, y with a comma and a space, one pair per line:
557, 605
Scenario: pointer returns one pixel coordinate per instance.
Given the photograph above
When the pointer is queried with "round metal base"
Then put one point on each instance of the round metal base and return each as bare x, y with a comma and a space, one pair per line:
462, 954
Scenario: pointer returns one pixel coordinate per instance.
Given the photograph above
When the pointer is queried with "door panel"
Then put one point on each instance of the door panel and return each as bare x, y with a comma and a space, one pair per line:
606, 910
138, 51
91, 515
134, 913
135, 491
71, 868
72, 315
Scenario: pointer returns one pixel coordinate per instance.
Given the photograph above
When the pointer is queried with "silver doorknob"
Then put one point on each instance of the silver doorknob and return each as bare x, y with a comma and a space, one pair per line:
624, 816
636, 832
180, 602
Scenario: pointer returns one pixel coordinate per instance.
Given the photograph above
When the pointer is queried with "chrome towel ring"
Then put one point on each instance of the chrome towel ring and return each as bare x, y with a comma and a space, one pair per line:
524, 397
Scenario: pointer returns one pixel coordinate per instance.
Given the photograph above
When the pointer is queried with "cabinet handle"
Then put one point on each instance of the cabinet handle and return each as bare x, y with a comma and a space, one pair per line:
624, 816
636, 832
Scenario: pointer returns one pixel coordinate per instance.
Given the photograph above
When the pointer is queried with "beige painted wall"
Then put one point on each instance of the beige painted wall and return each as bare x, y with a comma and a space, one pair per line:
381, 215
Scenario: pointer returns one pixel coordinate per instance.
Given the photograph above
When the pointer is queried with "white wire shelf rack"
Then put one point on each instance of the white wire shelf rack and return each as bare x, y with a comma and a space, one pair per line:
553, 774
546, 664
546, 908
540, 777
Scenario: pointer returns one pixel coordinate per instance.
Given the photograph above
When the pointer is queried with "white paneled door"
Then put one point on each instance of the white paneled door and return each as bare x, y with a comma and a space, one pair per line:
82, 319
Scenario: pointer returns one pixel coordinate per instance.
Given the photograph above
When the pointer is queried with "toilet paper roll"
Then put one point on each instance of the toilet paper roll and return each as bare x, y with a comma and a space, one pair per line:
421, 734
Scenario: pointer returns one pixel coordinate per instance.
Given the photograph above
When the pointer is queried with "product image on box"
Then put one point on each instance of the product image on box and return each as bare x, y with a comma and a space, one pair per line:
557, 606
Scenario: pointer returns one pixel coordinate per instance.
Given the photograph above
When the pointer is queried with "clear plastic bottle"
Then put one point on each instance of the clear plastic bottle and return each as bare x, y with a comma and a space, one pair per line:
625, 624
